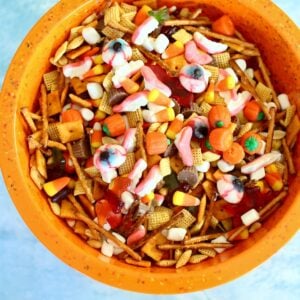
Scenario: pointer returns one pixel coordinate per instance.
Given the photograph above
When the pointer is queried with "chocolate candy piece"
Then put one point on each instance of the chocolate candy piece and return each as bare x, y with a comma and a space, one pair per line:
60, 195
188, 175
171, 150
116, 96
81, 149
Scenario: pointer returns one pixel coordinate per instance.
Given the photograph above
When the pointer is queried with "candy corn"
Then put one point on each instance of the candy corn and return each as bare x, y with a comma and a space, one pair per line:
164, 115
183, 199
175, 127
97, 70
275, 181
228, 83
96, 135
53, 187
142, 15
173, 50
129, 86
157, 97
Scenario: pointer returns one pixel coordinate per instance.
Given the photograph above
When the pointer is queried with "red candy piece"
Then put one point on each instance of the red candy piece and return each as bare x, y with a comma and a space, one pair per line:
102, 209
120, 185
114, 201
179, 93
114, 220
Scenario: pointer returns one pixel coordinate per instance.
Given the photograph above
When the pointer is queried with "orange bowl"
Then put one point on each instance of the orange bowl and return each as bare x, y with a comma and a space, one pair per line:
277, 38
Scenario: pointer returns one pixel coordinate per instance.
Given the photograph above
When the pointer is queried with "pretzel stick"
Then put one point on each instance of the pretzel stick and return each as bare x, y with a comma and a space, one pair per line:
236, 232
80, 174
35, 116
108, 235
220, 36
186, 22
202, 207
76, 204
141, 263
266, 77
44, 107
194, 246
270, 130
82, 102
202, 238
64, 94
247, 85
54, 144
28, 118
208, 217
158, 230
272, 203
288, 157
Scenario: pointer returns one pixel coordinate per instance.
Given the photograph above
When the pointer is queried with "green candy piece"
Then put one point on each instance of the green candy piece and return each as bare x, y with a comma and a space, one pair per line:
260, 116
171, 182
105, 129
219, 124
160, 15
208, 145
251, 143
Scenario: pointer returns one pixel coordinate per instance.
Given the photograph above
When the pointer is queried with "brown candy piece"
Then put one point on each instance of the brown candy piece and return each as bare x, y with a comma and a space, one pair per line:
188, 175
116, 96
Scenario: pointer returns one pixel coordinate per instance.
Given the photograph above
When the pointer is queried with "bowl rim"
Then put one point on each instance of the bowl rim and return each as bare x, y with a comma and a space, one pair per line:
137, 280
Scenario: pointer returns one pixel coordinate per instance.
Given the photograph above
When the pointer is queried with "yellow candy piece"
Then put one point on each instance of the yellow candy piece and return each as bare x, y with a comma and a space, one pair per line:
183, 199
98, 60
53, 187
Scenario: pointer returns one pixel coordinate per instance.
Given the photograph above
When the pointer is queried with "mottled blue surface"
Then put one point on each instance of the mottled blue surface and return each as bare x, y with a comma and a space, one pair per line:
29, 271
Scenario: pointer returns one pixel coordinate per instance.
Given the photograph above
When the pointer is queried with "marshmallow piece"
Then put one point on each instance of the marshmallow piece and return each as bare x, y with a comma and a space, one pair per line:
250, 72
220, 239
95, 90
127, 198
107, 249
176, 234
224, 166
161, 43
258, 174
241, 63
143, 209
262, 148
87, 114
117, 250
106, 226
91, 35
204, 167
284, 101
109, 175
77, 69
250, 217
270, 105
149, 44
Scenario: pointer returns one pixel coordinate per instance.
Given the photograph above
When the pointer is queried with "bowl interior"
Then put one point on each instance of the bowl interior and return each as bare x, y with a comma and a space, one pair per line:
276, 37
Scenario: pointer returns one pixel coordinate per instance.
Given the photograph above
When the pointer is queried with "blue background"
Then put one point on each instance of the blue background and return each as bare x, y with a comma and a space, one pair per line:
29, 271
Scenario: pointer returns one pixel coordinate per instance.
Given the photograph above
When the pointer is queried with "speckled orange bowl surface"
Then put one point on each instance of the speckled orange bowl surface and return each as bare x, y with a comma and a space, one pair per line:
261, 22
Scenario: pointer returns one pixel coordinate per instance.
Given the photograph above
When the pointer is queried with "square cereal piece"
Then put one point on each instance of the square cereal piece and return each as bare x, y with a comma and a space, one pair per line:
221, 60
214, 71
128, 164
134, 117
150, 248
264, 93
205, 108
112, 33
79, 190
54, 104
53, 132
107, 81
197, 156
157, 218
128, 16
186, 221
182, 36
112, 14
127, 23
51, 80
92, 172
127, 8
67, 210
138, 55
104, 105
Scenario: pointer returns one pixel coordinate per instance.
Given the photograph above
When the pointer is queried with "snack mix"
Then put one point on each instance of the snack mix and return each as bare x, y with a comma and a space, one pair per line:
158, 136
